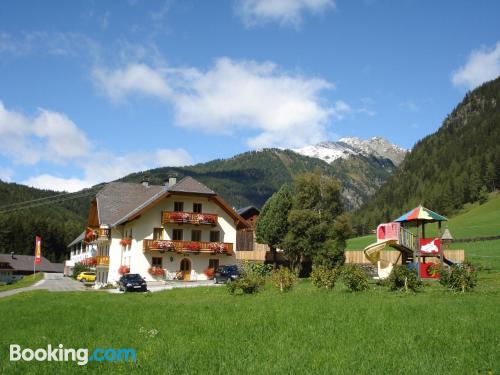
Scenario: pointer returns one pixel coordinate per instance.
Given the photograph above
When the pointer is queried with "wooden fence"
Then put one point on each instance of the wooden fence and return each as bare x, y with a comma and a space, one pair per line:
358, 257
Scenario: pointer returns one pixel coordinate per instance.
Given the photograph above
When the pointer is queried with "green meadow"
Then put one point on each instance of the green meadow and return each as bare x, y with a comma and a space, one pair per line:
206, 330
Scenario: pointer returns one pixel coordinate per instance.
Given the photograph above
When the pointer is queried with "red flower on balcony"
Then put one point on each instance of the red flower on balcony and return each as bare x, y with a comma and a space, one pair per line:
156, 271
193, 246
90, 234
179, 217
123, 270
217, 247
207, 219
163, 244
126, 241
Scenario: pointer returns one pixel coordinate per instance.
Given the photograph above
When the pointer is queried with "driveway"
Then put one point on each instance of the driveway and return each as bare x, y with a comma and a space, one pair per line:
53, 282
168, 285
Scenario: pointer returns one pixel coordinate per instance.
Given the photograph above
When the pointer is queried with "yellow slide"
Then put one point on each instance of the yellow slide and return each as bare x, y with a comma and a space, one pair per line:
373, 251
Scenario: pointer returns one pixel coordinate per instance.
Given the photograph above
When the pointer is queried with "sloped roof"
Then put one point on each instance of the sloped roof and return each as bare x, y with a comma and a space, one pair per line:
78, 239
190, 185
420, 214
25, 263
118, 199
247, 212
446, 235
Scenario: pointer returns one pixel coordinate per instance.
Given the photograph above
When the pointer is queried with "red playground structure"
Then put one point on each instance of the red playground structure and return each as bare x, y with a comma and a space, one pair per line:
414, 249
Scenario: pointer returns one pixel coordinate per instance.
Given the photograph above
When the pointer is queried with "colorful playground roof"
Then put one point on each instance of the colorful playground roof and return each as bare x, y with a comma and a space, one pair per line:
421, 213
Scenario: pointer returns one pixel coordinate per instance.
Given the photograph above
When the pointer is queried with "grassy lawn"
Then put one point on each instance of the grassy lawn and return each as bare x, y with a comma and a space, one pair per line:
205, 330
24, 282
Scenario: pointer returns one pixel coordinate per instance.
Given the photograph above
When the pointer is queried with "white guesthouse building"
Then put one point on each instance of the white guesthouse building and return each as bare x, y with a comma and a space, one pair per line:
181, 230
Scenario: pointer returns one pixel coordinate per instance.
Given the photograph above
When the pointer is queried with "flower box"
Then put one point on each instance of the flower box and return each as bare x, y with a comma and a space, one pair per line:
123, 270
217, 247
192, 246
181, 217
156, 271
163, 244
126, 241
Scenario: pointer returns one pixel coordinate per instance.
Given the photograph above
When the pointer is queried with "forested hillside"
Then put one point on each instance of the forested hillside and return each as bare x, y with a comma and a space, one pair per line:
460, 163
252, 177
57, 223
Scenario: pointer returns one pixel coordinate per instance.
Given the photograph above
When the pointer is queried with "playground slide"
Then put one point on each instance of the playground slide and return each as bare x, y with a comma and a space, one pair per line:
447, 261
372, 253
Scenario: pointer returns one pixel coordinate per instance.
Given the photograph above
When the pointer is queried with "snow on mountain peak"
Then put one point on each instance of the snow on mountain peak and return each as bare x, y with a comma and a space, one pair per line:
345, 147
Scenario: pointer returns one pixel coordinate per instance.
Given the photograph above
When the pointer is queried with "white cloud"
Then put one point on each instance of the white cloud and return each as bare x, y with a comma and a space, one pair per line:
284, 12
49, 136
283, 109
482, 65
135, 78
52, 137
6, 174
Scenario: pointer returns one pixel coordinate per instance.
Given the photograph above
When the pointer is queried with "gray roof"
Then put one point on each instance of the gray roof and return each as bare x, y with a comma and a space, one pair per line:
25, 263
190, 185
78, 239
248, 211
118, 201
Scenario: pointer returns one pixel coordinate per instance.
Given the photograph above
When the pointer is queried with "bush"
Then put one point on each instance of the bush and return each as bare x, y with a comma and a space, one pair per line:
324, 277
283, 279
78, 268
330, 255
459, 278
404, 279
354, 278
249, 282
260, 269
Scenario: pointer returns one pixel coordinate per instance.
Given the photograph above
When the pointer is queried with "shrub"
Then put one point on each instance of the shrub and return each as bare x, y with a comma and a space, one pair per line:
330, 255
78, 268
260, 269
459, 278
354, 278
402, 278
324, 277
249, 282
283, 279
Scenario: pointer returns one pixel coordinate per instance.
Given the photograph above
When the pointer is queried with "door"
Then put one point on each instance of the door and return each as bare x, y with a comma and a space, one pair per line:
186, 269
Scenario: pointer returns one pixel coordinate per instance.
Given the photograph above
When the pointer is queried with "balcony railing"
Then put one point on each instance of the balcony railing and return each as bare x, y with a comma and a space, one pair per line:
188, 246
188, 218
102, 261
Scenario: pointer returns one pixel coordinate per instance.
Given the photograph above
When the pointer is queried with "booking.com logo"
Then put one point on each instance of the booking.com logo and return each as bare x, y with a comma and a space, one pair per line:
80, 356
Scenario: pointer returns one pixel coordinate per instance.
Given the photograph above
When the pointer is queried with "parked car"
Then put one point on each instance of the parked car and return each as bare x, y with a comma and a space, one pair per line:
86, 276
226, 273
132, 282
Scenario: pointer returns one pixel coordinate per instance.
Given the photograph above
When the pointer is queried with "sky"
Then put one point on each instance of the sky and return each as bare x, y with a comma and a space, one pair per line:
93, 90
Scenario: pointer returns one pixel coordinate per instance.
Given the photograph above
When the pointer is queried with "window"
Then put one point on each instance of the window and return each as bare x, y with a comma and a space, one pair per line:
177, 235
213, 263
197, 208
196, 235
158, 234
157, 262
178, 206
214, 236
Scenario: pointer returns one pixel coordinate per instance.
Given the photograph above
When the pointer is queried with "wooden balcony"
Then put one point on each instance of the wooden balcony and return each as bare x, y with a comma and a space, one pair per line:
188, 246
102, 261
195, 218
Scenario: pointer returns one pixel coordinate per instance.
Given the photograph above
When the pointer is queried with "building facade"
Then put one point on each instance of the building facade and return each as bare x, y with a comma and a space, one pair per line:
181, 230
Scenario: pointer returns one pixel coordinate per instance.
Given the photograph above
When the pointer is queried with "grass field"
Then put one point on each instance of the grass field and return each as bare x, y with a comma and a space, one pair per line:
205, 330
24, 282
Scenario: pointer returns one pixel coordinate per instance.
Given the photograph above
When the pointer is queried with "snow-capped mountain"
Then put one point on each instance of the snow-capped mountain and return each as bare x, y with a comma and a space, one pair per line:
345, 147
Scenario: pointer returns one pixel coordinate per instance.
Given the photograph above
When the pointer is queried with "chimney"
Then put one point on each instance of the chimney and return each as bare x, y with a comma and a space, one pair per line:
172, 181
145, 182
12, 255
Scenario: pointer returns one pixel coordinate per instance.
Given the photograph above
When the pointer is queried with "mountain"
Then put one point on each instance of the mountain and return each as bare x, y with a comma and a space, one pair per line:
344, 148
458, 164
250, 178
245, 179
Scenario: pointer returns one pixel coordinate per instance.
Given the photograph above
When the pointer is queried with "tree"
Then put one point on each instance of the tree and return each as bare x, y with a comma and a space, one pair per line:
317, 228
272, 224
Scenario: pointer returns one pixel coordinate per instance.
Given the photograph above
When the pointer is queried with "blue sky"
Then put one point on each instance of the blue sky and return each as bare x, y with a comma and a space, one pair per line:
93, 90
